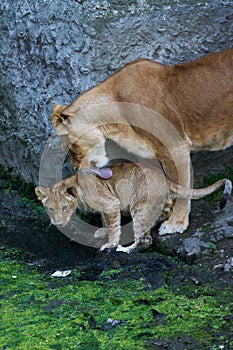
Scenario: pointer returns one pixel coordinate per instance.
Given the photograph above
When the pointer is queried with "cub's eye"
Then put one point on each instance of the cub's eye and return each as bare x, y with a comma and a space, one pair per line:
50, 209
64, 208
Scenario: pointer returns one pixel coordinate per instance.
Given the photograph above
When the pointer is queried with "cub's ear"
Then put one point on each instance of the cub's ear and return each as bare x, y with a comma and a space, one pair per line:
41, 192
72, 191
56, 117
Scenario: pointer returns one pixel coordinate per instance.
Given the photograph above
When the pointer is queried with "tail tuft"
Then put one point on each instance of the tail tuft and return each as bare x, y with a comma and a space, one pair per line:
226, 193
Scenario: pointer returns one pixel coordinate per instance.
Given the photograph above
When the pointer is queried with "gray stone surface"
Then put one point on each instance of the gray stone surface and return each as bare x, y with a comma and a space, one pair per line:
204, 239
222, 227
53, 50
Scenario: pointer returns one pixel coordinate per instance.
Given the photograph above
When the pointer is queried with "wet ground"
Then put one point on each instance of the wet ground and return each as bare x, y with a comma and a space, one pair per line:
24, 227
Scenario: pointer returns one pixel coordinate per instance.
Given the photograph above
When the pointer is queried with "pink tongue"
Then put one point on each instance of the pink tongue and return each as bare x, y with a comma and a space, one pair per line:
104, 173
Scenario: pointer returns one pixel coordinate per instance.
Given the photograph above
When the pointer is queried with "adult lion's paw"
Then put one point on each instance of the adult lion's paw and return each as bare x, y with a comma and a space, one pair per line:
172, 227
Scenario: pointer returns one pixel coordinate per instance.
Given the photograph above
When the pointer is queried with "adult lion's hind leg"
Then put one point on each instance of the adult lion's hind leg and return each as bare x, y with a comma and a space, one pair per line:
179, 220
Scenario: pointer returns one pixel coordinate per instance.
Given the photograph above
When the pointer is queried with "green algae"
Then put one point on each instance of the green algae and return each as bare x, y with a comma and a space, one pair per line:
40, 312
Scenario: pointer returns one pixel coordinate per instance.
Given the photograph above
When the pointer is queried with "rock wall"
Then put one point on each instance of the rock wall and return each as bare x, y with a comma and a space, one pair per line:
53, 50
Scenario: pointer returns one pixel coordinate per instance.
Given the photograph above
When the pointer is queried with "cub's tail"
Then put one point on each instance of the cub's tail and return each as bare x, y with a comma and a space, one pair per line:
182, 192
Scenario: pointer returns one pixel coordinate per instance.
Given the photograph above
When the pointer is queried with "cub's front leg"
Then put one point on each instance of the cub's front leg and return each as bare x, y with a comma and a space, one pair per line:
112, 221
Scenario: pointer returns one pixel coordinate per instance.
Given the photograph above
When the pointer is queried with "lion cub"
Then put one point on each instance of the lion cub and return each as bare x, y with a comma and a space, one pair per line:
143, 192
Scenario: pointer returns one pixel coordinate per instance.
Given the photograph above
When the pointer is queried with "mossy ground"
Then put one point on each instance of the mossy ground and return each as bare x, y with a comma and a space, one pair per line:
113, 311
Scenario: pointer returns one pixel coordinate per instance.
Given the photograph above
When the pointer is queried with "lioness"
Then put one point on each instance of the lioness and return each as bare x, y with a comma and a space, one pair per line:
140, 191
193, 100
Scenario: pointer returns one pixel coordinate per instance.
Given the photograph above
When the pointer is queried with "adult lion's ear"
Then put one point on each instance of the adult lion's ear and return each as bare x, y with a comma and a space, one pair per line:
41, 192
58, 108
56, 117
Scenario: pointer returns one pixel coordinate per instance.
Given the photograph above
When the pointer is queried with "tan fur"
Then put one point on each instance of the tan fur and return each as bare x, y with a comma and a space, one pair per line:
195, 97
142, 192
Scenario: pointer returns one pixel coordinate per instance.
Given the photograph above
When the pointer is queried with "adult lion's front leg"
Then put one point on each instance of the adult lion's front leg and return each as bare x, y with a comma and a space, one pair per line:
180, 172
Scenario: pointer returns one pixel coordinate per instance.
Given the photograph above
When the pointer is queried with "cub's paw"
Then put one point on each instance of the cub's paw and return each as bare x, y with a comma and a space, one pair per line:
108, 248
127, 250
172, 227
144, 242
101, 232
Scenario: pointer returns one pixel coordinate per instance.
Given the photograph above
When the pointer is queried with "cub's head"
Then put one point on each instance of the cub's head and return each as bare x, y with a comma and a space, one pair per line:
83, 139
59, 201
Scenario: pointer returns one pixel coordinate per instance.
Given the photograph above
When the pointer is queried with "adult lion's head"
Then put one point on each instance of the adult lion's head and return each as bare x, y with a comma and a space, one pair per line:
84, 141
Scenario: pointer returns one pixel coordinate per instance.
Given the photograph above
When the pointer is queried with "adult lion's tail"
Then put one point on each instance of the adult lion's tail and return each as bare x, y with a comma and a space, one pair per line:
182, 192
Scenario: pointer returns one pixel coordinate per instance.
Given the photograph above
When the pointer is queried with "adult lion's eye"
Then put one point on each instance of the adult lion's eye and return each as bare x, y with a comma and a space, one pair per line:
64, 208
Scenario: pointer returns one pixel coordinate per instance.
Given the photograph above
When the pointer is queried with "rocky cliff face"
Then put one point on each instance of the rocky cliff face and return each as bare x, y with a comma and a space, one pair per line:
54, 50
